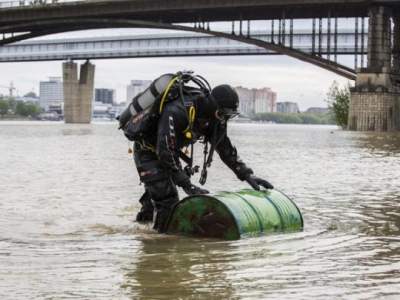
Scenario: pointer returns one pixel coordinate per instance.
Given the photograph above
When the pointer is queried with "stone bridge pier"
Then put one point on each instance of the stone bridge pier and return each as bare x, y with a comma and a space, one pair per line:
375, 99
78, 92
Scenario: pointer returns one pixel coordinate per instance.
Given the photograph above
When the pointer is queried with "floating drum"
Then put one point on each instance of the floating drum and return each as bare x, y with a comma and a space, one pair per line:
230, 216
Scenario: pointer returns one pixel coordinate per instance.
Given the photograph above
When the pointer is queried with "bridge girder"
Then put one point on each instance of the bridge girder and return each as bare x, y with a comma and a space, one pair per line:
178, 11
76, 24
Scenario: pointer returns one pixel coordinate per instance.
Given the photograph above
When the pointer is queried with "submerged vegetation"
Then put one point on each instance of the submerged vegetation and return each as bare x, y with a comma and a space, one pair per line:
338, 99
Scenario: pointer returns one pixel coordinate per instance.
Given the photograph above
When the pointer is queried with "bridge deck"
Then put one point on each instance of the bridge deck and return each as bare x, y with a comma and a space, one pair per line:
180, 11
162, 45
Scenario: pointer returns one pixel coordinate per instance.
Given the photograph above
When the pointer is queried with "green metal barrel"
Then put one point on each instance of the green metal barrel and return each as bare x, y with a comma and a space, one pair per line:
230, 216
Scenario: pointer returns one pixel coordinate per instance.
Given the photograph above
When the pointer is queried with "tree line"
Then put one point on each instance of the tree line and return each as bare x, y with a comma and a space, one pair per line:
295, 118
9, 107
338, 99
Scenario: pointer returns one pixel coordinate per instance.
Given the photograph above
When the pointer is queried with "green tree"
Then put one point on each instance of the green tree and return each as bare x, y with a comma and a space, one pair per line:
12, 103
31, 94
4, 106
33, 109
27, 109
338, 99
310, 118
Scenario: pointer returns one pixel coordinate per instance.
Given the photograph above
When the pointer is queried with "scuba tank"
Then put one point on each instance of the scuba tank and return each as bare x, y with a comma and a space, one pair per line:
145, 100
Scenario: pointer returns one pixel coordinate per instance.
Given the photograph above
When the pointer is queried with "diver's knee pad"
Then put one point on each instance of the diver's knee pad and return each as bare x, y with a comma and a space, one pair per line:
151, 171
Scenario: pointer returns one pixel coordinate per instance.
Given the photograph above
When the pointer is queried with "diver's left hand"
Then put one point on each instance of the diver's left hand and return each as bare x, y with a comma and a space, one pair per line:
192, 189
256, 182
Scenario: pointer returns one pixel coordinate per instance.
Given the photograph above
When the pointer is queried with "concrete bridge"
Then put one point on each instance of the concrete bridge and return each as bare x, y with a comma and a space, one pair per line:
181, 11
166, 45
78, 91
375, 99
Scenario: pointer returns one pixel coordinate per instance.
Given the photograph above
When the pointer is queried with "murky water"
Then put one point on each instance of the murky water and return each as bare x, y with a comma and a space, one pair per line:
68, 196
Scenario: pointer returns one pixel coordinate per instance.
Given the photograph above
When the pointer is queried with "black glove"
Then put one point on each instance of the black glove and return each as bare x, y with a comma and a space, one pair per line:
182, 179
191, 189
256, 182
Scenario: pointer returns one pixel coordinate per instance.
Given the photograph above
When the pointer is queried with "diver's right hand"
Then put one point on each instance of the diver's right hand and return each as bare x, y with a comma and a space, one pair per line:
192, 189
257, 182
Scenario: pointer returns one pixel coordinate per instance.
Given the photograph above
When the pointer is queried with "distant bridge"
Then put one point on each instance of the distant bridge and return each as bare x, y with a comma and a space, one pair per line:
22, 20
165, 45
374, 104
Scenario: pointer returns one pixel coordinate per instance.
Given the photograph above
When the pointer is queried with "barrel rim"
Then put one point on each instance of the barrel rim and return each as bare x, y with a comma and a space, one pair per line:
295, 205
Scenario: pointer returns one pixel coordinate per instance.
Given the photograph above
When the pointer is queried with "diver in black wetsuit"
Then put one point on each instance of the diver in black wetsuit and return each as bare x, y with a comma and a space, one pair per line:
196, 115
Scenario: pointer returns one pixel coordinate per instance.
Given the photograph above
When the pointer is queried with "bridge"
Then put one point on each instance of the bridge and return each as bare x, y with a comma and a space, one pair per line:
375, 98
180, 11
165, 45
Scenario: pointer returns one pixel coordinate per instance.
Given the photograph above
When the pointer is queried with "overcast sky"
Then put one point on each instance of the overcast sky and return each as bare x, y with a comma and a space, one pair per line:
291, 79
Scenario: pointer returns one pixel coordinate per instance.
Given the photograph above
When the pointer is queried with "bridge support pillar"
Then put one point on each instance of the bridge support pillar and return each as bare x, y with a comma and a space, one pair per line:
396, 48
78, 92
375, 99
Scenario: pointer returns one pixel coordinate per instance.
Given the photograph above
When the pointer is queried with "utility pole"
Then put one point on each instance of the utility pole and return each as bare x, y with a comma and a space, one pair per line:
10, 88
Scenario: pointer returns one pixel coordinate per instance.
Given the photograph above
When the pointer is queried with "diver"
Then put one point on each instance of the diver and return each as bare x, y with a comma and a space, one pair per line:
176, 111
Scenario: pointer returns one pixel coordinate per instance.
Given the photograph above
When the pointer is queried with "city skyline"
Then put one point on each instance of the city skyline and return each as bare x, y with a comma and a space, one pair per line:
239, 71
291, 79
254, 101
285, 75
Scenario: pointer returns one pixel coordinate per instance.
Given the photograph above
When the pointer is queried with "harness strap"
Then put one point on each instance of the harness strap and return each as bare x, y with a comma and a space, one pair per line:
137, 106
153, 89
147, 146
188, 160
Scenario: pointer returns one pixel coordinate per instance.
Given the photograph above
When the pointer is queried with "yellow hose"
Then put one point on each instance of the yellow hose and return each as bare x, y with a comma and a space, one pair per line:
169, 86
192, 115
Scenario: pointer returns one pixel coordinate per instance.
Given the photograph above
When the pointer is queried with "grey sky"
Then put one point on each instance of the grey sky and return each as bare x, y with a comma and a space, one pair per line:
291, 79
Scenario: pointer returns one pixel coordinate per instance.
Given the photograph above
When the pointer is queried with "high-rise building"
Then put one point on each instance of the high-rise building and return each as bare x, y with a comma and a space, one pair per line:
288, 107
136, 87
246, 100
105, 96
51, 94
264, 101
254, 101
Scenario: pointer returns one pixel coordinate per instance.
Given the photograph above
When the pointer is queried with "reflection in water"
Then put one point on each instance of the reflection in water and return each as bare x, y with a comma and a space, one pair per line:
173, 268
385, 144
383, 217
69, 195
77, 131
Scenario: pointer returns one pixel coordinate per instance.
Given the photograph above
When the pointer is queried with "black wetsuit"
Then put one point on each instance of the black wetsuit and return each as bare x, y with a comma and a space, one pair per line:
157, 157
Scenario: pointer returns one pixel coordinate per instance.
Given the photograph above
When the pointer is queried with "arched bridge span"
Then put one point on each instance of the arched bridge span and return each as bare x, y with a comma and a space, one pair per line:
375, 98
281, 44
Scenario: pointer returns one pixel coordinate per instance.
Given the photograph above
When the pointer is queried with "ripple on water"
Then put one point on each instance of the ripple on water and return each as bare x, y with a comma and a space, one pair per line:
69, 196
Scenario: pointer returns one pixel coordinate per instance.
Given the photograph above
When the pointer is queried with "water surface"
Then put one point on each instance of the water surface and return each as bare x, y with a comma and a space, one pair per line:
68, 197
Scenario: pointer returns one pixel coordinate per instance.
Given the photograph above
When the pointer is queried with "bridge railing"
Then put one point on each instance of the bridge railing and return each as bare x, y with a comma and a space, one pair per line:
24, 3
